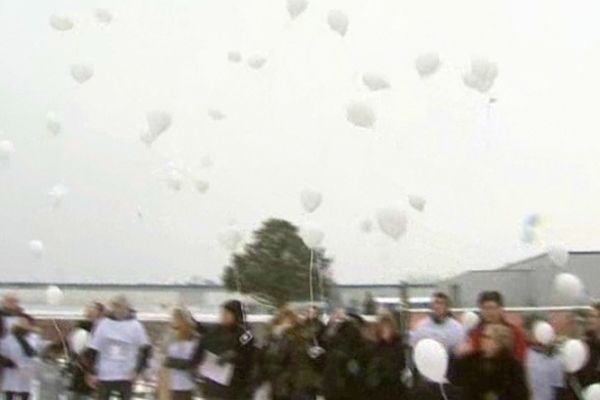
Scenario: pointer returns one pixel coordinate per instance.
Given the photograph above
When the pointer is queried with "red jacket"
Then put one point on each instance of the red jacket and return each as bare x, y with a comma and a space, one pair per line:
519, 342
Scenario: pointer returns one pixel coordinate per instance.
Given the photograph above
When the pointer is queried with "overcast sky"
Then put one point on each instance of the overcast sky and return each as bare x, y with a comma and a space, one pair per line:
481, 167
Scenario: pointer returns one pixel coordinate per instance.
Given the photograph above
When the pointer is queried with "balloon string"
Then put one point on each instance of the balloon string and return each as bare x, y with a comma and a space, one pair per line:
443, 391
574, 383
61, 337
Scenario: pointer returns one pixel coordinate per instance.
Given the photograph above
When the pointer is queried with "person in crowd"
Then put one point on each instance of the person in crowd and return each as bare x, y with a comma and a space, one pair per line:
344, 359
492, 371
51, 374
17, 350
491, 305
233, 344
79, 387
313, 322
118, 352
440, 325
180, 352
590, 373
10, 311
386, 361
543, 367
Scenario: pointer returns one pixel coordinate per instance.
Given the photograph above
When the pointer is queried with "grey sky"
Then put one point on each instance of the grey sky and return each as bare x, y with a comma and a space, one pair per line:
481, 169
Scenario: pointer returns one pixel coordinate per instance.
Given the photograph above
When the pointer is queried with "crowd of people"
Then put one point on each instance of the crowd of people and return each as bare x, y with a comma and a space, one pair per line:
301, 357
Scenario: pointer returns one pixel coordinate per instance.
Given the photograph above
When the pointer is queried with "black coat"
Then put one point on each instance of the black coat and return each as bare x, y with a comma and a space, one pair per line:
385, 364
477, 376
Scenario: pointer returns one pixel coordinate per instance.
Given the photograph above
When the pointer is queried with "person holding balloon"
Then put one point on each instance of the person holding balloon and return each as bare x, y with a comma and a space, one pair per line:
491, 305
492, 372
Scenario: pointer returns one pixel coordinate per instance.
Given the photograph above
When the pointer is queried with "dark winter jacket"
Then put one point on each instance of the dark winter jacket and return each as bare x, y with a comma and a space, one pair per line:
384, 370
590, 373
77, 366
502, 377
344, 372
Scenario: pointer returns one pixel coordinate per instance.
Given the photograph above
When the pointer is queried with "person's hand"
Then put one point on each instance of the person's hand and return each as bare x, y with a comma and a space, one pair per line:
464, 349
92, 381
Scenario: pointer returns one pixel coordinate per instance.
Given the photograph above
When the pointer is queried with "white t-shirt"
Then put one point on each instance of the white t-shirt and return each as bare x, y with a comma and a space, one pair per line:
180, 379
118, 343
449, 332
18, 378
544, 374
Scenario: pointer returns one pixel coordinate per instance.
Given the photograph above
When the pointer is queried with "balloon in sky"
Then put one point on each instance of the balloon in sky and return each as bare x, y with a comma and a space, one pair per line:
427, 64
79, 340
206, 162
569, 287
360, 114
470, 320
202, 186
7, 149
36, 247
230, 238
61, 23
592, 392
81, 72
573, 354
481, 75
417, 202
338, 21
57, 194
431, 360
375, 82
296, 7
392, 221
53, 123
54, 296
544, 332
158, 122
312, 235
103, 16
257, 62
558, 255
310, 199
215, 114
366, 225
234, 56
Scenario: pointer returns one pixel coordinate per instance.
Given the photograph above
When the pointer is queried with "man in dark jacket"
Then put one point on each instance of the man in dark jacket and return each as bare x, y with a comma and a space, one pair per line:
232, 343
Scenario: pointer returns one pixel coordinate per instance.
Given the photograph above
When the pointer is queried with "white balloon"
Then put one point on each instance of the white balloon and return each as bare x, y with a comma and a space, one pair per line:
338, 21
417, 202
427, 64
57, 194
573, 354
202, 186
7, 149
431, 360
310, 199
375, 82
230, 238
569, 287
217, 115
61, 23
206, 162
544, 332
174, 179
158, 122
81, 72
296, 7
53, 123
54, 296
361, 115
256, 62
470, 320
312, 235
481, 75
558, 255
78, 340
103, 16
234, 56
392, 221
366, 225
592, 392
36, 247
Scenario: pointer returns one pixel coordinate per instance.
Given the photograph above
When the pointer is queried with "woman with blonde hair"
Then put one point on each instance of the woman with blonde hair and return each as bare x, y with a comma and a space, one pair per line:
180, 351
493, 372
